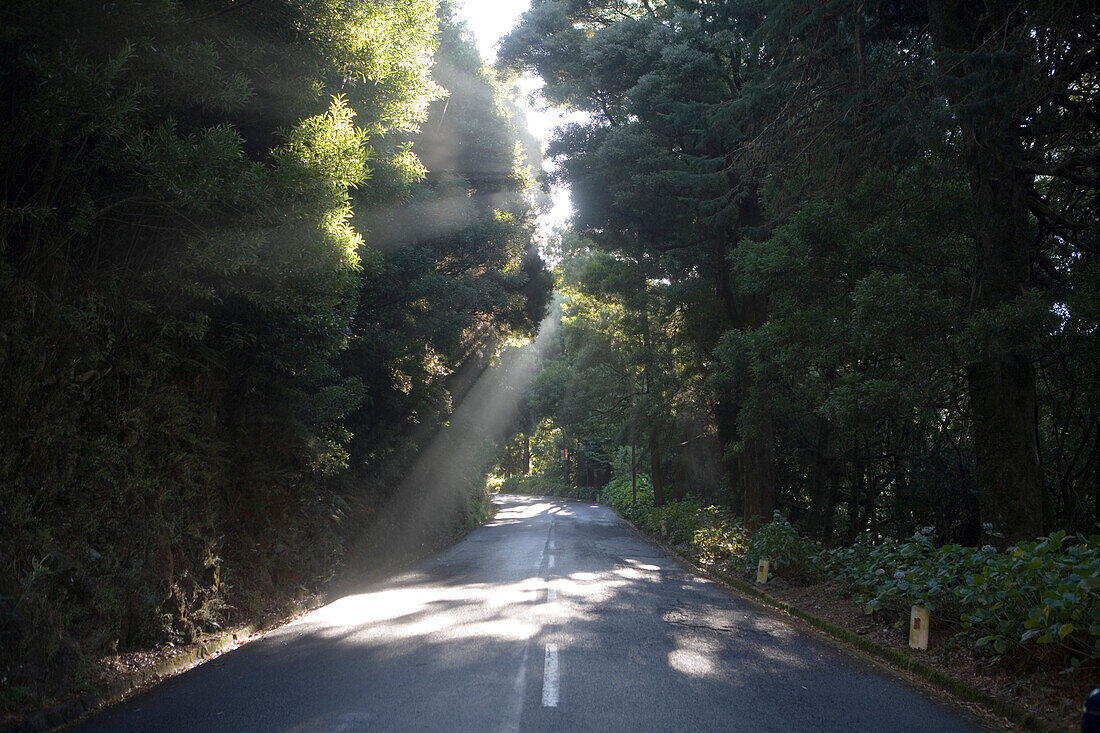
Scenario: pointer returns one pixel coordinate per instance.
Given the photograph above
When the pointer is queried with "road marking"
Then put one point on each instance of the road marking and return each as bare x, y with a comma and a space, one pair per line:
550, 562
553, 545
550, 677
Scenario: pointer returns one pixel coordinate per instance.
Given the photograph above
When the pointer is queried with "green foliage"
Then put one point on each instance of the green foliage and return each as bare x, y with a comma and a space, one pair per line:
718, 543
709, 531
533, 485
789, 555
546, 445
1039, 598
632, 501
451, 272
897, 575
479, 508
791, 240
1038, 594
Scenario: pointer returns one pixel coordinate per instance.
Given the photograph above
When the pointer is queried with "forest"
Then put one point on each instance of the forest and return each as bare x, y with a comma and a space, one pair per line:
835, 259
832, 277
251, 256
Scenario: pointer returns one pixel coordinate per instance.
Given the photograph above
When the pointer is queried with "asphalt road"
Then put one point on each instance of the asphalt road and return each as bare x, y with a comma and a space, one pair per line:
556, 616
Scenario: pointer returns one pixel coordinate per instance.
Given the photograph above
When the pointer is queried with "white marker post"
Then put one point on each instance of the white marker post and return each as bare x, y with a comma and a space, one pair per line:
919, 619
762, 571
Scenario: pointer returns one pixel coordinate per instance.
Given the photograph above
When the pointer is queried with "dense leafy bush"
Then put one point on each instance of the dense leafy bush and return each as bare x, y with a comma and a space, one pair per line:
479, 508
1038, 593
778, 541
678, 520
719, 543
896, 575
712, 532
1042, 597
618, 493
533, 485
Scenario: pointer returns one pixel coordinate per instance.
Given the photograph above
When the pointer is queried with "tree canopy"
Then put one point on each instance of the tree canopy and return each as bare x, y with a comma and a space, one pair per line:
860, 238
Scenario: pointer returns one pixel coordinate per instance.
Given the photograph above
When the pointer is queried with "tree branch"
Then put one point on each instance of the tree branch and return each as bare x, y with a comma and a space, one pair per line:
1041, 209
223, 11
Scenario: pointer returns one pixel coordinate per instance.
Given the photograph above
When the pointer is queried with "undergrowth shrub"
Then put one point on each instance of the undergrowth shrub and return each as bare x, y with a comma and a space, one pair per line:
896, 575
679, 520
712, 532
789, 555
719, 543
479, 508
1040, 599
1042, 595
619, 495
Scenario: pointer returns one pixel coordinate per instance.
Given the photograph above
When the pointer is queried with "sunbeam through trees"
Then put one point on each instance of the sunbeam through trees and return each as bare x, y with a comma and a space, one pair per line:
275, 305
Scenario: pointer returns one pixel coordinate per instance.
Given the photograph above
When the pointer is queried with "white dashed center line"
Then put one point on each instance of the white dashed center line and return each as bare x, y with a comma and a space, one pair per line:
550, 677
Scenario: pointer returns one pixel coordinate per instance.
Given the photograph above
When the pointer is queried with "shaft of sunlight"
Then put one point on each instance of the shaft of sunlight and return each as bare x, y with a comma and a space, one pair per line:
441, 475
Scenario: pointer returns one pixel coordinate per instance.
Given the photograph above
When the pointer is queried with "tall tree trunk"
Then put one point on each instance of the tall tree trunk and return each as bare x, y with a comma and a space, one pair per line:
725, 405
756, 470
823, 480
857, 520
526, 454
1002, 380
655, 475
871, 497
633, 472
753, 471
1096, 497
725, 421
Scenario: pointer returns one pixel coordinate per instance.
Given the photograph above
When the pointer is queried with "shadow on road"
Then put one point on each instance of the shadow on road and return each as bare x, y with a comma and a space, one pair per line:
451, 644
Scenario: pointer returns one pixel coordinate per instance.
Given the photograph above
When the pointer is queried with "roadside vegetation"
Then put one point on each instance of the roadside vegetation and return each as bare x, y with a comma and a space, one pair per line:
1037, 599
537, 485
